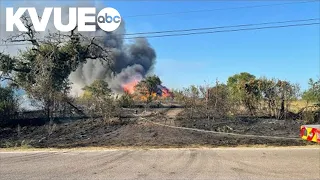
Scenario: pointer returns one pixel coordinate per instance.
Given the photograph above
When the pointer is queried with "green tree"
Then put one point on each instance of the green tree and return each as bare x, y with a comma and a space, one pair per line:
150, 83
242, 90
100, 99
312, 94
178, 95
99, 88
284, 94
268, 94
8, 103
191, 99
126, 100
218, 100
277, 95
148, 87
42, 70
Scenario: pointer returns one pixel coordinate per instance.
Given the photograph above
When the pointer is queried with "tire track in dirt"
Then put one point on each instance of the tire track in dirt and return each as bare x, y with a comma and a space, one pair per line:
245, 170
157, 163
117, 160
99, 167
192, 172
185, 161
31, 157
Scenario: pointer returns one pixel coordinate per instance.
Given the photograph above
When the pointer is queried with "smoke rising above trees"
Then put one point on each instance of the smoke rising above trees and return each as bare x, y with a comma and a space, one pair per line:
129, 61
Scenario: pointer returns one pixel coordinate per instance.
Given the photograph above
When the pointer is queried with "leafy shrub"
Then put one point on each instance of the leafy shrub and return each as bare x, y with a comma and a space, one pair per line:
8, 103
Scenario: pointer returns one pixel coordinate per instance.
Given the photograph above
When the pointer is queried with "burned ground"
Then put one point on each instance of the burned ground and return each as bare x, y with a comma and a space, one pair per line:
139, 130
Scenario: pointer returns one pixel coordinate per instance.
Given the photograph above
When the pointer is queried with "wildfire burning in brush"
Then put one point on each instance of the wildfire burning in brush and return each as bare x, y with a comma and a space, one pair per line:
161, 91
130, 87
164, 91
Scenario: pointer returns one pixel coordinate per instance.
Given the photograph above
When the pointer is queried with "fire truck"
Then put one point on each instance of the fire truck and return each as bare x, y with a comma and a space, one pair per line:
310, 132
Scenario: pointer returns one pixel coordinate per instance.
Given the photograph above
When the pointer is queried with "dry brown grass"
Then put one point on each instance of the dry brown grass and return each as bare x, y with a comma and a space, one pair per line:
297, 105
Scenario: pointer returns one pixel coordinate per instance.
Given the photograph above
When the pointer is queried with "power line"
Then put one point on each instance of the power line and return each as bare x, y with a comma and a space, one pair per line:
206, 32
218, 27
218, 9
207, 28
232, 30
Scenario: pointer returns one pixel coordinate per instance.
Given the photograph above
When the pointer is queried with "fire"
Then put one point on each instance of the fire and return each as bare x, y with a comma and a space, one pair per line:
164, 91
145, 97
130, 87
161, 92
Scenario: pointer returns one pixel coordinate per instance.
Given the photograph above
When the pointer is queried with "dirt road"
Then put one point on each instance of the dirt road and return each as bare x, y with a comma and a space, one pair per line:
219, 163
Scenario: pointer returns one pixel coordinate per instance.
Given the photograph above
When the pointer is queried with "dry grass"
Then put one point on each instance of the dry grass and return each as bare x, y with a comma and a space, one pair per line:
296, 106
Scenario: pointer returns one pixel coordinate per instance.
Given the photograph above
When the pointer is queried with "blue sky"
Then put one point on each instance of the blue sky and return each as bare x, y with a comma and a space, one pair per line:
288, 53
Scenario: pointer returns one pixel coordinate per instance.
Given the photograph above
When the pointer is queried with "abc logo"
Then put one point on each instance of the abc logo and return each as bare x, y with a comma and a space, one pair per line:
109, 19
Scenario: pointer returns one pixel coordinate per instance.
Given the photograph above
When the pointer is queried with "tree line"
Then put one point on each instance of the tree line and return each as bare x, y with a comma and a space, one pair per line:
244, 94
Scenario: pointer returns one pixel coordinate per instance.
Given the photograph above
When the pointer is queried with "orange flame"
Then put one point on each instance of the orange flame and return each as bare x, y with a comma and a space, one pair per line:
166, 93
130, 87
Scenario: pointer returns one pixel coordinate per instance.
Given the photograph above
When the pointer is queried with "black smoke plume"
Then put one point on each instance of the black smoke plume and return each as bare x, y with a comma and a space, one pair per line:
130, 60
